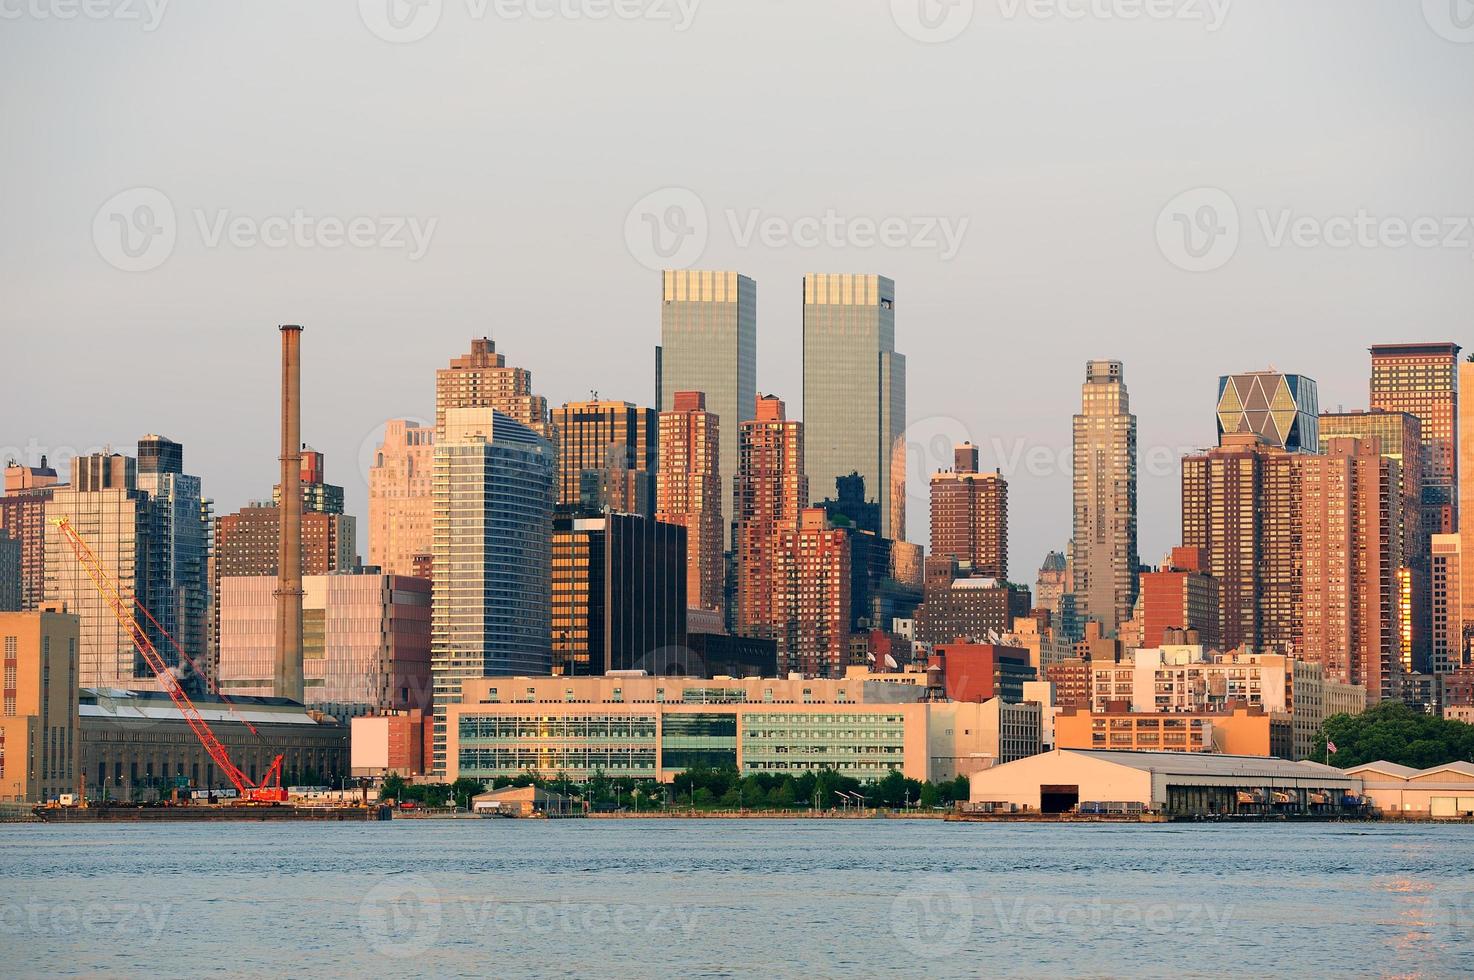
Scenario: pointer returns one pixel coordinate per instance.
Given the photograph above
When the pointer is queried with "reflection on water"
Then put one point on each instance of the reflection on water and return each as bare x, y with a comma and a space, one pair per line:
729, 898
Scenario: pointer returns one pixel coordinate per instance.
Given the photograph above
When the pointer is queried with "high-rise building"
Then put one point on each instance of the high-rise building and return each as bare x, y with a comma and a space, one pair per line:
23, 517
1105, 559
811, 596
1446, 587
1464, 436
956, 607
483, 379
708, 343
1423, 379
1399, 436
770, 490
402, 498
179, 537
1349, 507
1054, 590
492, 613
855, 389
365, 641
10, 573
607, 454
318, 495
113, 517
38, 726
969, 515
1180, 595
1239, 505
1282, 409
689, 492
619, 595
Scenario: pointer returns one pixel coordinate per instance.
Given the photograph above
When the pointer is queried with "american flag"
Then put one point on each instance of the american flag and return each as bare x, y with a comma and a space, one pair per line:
1331, 747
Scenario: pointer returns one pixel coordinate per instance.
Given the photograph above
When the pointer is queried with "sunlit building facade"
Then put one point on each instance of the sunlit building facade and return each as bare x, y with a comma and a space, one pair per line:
688, 492
1105, 557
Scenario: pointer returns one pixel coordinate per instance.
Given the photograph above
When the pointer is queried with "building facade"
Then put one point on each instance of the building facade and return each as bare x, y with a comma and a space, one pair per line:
39, 734
1423, 380
178, 565
1181, 595
619, 594
770, 490
1449, 651
689, 493
855, 389
365, 641
401, 504
708, 343
484, 379
811, 604
969, 515
1283, 410
607, 452
657, 727
1105, 558
1240, 508
23, 518
492, 611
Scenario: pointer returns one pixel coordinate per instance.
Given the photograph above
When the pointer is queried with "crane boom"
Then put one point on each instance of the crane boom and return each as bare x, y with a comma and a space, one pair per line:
269, 790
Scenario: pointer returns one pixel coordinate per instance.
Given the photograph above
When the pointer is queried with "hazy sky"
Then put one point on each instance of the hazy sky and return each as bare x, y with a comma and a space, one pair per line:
525, 141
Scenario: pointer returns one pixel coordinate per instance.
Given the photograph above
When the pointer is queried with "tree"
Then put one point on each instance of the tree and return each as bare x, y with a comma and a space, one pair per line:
463, 789
929, 795
1393, 732
393, 787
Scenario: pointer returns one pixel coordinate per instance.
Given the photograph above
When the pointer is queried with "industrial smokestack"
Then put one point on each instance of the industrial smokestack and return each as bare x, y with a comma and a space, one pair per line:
287, 677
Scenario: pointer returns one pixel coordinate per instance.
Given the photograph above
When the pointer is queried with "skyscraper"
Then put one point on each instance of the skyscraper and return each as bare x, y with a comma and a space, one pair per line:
606, 457
1349, 506
111, 515
23, 517
619, 595
770, 491
1464, 436
708, 343
1180, 596
1424, 379
1239, 506
1399, 436
494, 492
969, 515
689, 492
1105, 559
811, 598
483, 379
855, 389
1282, 409
402, 497
1446, 580
179, 538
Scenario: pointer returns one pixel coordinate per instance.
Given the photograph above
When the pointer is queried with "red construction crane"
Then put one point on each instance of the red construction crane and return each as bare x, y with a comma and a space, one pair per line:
269, 790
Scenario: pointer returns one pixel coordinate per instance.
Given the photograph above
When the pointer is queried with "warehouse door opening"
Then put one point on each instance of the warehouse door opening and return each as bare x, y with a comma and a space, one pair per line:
1058, 799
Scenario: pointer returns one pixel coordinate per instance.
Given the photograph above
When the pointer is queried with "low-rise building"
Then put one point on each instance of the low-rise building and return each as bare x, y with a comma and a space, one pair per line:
1240, 730
982, 671
656, 727
396, 743
1439, 792
523, 801
1174, 783
137, 745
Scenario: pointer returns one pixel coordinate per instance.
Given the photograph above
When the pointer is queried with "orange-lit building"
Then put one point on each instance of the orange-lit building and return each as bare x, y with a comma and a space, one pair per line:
401, 505
606, 457
40, 737
1180, 595
23, 517
969, 515
483, 379
1241, 730
980, 671
770, 490
688, 492
811, 596
1354, 612
1422, 379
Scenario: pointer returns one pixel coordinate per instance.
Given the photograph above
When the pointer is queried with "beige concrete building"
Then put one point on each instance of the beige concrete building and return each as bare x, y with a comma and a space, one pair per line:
1441, 792
1174, 783
656, 727
39, 735
402, 497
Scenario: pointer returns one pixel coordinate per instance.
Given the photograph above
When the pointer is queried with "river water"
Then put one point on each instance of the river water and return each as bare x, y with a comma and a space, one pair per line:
727, 898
